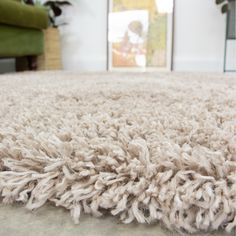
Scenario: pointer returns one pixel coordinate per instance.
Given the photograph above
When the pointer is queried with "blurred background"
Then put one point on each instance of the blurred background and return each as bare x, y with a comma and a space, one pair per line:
100, 35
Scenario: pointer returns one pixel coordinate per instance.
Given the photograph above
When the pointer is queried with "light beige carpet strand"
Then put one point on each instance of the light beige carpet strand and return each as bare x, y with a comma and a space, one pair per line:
142, 147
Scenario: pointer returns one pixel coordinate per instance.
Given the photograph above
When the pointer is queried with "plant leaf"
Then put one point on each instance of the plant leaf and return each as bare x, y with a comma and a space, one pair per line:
219, 1
225, 8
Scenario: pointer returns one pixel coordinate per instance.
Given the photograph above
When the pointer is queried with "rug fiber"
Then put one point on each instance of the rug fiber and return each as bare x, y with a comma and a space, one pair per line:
142, 147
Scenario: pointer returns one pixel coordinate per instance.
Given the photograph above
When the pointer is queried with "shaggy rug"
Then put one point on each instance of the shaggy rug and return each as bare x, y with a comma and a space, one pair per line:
142, 147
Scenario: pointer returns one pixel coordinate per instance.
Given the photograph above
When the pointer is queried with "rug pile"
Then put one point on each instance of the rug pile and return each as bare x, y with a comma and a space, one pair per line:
142, 147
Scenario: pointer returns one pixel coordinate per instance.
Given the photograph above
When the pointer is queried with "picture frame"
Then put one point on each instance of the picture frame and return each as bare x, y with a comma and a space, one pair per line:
118, 21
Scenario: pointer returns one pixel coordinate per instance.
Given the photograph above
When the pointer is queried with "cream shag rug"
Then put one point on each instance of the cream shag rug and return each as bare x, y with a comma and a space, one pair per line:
142, 147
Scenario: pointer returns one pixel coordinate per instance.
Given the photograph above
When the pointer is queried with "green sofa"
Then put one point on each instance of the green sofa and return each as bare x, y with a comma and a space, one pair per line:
21, 32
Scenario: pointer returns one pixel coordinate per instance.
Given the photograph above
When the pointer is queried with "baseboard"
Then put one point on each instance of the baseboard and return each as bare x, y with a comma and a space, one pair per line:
198, 65
7, 65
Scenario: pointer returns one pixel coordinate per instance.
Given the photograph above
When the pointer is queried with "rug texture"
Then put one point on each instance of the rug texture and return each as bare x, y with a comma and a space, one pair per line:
142, 147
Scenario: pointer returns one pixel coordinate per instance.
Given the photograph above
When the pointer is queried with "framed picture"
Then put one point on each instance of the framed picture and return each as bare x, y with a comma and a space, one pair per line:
140, 35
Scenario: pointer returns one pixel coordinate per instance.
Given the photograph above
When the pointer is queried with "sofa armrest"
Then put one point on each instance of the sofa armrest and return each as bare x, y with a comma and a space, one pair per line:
17, 14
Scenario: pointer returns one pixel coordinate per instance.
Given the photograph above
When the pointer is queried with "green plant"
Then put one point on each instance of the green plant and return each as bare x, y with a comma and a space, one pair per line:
225, 5
54, 8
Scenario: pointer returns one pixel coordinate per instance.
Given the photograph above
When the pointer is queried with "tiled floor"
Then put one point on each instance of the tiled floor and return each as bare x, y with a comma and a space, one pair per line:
50, 221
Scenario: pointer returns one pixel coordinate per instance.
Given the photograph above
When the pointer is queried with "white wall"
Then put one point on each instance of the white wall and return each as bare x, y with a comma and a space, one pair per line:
84, 46
199, 37
198, 45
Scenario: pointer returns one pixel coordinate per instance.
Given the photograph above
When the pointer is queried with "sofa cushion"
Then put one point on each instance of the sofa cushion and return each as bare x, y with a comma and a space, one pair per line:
19, 14
18, 41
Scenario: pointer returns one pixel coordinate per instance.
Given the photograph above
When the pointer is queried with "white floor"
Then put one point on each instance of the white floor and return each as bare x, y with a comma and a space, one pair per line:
50, 221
